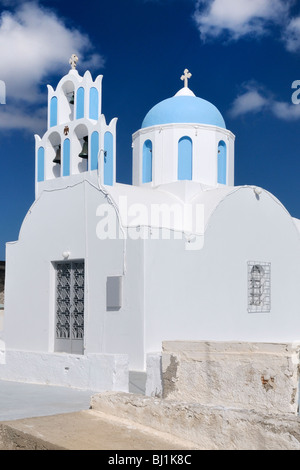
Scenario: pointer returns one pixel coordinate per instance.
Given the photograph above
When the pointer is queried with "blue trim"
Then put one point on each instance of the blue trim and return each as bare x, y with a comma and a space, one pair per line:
184, 109
185, 158
53, 111
41, 164
80, 103
66, 157
147, 161
94, 150
108, 158
94, 103
222, 162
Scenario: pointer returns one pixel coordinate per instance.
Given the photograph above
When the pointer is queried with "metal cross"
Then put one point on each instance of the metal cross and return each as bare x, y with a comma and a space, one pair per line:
73, 61
185, 77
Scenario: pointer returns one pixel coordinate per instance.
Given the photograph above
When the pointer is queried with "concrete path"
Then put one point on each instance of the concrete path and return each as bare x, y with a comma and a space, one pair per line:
20, 400
39, 417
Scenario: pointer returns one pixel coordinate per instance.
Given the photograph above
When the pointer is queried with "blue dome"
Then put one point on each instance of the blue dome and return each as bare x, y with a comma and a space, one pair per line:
184, 109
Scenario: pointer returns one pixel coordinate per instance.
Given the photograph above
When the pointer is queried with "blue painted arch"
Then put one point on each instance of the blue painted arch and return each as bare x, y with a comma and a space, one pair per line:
185, 158
80, 103
41, 165
108, 158
94, 103
94, 150
66, 157
222, 162
147, 161
53, 111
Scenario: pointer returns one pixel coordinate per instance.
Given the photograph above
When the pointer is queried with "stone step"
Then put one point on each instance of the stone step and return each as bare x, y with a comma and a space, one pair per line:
85, 430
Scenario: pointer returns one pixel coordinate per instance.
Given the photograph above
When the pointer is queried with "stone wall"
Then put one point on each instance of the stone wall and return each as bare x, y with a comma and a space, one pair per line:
208, 427
254, 376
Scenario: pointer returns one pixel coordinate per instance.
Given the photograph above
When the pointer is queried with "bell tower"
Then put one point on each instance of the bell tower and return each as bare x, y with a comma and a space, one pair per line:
78, 141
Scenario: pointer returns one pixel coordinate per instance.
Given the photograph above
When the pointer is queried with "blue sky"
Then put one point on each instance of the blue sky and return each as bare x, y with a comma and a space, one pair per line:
243, 56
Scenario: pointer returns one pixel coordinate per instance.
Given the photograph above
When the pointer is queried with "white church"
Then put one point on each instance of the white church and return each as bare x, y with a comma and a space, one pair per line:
102, 273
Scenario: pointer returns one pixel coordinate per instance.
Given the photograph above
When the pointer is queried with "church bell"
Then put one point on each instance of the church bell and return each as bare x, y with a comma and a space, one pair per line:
57, 158
85, 148
71, 99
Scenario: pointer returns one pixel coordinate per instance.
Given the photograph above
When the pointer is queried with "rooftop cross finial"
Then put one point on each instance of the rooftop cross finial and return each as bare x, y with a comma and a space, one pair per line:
185, 77
73, 61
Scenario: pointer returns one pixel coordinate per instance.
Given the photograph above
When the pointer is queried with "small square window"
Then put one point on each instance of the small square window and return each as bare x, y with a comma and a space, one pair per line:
114, 293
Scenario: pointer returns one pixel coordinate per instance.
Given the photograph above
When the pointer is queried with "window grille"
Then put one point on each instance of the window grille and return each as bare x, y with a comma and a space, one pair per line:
70, 306
259, 287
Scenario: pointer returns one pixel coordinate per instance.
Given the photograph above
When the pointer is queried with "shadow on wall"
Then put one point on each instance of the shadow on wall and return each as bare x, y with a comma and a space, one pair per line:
2, 277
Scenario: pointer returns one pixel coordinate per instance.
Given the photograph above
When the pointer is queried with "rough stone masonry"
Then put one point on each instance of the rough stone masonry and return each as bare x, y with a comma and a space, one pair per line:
263, 377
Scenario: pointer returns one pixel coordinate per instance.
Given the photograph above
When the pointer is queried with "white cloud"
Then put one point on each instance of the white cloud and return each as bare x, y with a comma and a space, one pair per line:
34, 45
286, 111
238, 18
255, 99
291, 35
14, 117
251, 101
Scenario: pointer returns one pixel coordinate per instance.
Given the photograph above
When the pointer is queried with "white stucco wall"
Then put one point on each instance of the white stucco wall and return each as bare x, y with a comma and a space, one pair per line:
202, 295
99, 372
1, 319
297, 223
65, 220
169, 292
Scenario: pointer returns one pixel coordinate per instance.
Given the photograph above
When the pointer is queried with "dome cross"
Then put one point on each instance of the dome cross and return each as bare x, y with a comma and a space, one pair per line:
186, 75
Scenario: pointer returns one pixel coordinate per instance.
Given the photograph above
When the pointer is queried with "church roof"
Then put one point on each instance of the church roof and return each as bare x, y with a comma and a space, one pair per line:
182, 193
184, 107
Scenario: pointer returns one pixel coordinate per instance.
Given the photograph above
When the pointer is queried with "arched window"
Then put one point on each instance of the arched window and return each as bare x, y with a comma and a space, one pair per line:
108, 158
147, 162
53, 111
66, 157
66, 102
53, 156
222, 162
94, 103
41, 164
94, 150
80, 150
80, 103
185, 158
